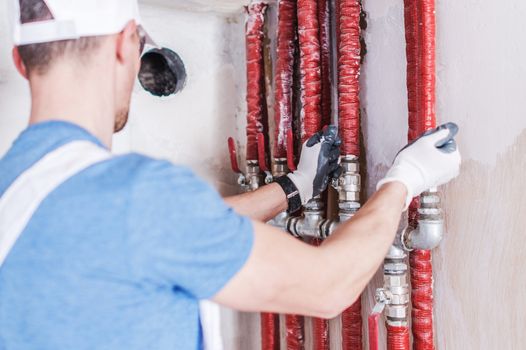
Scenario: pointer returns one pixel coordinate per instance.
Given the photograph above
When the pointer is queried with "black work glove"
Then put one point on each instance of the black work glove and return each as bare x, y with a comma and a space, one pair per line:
319, 160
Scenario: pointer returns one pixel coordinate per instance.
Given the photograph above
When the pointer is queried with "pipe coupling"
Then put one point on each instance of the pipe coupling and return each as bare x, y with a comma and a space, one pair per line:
396, 289
349, 182
348, 186
280, 220
430, 230
312, 223
280, 168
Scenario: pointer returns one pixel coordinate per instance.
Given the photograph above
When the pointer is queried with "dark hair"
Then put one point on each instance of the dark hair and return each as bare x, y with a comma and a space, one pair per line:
38, 57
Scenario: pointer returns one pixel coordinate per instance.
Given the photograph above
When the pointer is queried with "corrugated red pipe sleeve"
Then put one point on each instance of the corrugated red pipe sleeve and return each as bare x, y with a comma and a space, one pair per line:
420, 32
269, 331
323, 19
310, 95
349, 76
349, 49
320, 327
255, 76
295, 337
397, 338
352, 327
286, 33
310, 67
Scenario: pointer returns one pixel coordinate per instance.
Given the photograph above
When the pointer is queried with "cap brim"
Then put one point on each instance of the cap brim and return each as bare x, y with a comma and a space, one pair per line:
147, 36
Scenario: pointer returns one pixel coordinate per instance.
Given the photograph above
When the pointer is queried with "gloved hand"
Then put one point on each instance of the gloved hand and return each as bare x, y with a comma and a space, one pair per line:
430, 161
319, 159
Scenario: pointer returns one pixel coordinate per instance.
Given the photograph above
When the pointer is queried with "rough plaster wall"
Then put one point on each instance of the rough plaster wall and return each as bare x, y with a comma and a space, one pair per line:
481, 86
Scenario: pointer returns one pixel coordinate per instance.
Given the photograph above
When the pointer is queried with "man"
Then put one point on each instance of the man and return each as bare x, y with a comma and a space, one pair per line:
115, 252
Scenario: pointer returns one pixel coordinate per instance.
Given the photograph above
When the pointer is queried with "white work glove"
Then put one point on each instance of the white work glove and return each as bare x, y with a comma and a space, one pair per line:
319, 160
430, 161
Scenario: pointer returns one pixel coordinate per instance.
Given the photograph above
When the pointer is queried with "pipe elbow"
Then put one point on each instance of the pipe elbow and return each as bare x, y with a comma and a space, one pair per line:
426, 236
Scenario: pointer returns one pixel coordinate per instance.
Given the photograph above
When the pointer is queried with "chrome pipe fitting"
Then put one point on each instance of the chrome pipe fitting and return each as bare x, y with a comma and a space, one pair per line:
430, 230
348, 186
280, 220
396, 287
253, 178
309, 224
280, 168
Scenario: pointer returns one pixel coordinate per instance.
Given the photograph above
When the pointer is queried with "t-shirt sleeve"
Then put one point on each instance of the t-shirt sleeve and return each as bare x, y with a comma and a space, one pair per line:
182, 234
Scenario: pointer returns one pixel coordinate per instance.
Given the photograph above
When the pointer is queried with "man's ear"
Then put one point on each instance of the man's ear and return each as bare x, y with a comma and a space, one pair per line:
127, 42
19, 64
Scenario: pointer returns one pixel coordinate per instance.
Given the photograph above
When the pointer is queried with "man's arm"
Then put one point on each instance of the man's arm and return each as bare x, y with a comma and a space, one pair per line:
319, 160
261, 205
286, 275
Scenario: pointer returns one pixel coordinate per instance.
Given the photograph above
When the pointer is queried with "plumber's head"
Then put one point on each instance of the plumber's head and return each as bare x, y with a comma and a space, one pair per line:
93, 47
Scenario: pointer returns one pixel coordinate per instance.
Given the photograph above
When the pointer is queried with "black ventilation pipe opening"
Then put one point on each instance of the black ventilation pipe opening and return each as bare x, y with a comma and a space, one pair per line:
162, 72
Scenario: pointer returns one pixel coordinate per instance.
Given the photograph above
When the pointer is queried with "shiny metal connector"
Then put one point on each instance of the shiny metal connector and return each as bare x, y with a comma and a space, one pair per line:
348, 186
430, 230
253, 175
280, 168
308, 225
396, 287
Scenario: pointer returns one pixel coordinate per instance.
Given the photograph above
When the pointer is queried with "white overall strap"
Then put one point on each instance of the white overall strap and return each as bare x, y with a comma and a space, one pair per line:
23, 197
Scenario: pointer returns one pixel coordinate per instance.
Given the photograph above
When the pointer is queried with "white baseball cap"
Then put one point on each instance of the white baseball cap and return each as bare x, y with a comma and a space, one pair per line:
73, 19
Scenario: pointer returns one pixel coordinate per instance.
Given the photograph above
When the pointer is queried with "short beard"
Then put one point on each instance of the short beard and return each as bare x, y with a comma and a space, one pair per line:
120, 120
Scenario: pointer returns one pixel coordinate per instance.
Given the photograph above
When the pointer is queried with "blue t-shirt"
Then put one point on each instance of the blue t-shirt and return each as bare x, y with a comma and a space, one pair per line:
118, 256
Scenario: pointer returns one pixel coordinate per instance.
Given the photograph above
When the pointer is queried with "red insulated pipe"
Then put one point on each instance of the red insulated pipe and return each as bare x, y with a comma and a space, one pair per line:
295, 337
310, 67
320, 327
352, 327
269, 331
310, 95
397, 338
349, 49
421, 80
256, 105
286, 33
325, 58
349, 76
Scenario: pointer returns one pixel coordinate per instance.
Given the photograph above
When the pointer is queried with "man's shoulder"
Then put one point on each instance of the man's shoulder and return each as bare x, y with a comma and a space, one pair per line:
147, 176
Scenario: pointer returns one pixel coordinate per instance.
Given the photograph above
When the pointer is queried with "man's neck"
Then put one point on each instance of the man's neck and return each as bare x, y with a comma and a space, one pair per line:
81, 100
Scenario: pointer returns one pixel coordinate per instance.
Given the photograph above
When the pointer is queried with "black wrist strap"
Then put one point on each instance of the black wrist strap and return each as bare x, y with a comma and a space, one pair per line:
292, 193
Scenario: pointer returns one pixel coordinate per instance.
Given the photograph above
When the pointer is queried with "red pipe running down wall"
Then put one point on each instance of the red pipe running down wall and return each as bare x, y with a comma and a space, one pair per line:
397, 338
310, 96
325, 58
349, 76
286, 33
310, 67
256, 105
349, 127
421, 80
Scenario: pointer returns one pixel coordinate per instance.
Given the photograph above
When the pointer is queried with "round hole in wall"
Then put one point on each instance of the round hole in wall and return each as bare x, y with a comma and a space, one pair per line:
162, 72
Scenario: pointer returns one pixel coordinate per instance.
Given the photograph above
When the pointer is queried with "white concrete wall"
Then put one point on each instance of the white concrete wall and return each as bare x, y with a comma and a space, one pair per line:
481, 85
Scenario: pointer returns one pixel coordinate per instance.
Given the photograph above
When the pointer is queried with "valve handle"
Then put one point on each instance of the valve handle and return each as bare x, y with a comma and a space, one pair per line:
373, 321
290, 151
233, 155
261, 153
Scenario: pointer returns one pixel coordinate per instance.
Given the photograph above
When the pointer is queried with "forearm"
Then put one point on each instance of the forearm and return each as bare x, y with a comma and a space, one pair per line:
262, 205
358, 246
